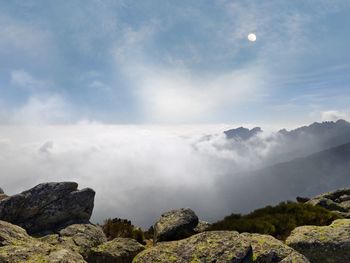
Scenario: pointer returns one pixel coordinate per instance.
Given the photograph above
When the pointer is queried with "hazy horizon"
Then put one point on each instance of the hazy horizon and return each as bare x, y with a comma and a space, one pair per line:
140, 171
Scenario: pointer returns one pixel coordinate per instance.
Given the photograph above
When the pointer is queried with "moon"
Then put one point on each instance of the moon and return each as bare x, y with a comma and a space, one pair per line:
252, 37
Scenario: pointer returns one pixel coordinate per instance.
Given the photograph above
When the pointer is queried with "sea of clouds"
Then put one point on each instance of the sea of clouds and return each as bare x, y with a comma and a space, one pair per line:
138, 171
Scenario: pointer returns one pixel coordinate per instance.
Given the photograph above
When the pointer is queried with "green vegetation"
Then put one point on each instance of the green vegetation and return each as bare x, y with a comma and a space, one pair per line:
277, 221
117, 227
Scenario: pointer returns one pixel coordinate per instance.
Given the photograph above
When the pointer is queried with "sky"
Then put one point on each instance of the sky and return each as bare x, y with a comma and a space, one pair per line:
174, 62
131, 98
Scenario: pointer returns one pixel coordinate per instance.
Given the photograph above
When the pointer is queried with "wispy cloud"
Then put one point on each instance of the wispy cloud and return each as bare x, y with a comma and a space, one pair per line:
25, 80
333, 115
38, 110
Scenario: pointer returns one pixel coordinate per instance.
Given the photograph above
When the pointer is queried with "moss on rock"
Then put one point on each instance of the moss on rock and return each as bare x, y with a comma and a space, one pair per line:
326, 244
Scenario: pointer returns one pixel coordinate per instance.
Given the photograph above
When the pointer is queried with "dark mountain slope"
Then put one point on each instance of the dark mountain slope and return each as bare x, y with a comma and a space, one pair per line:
317, 173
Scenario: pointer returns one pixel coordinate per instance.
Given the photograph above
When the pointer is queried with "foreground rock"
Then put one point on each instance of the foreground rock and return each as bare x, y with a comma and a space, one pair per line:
48, 207
220, 247
268, 249
326, 244
201, 226
17, 246
119, 250
337, 201
216, 246
80, 238
175, 225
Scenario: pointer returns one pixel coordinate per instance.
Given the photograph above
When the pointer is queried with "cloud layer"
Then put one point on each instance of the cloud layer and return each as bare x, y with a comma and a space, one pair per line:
139, 172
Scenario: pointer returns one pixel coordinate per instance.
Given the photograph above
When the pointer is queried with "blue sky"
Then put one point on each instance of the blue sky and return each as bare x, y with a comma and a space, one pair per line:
174, 62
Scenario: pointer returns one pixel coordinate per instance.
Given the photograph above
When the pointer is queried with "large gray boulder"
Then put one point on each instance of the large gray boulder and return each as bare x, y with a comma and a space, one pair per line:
337, 201
120, 250
267, 249
80, 238
48, 207
216, 246
222, 247
175, 225
326, 244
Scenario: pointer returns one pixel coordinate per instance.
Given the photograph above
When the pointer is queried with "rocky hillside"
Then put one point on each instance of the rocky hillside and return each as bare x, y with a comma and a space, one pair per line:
57, 217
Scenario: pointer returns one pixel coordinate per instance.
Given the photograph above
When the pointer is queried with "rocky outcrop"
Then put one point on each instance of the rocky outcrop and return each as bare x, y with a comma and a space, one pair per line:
268, 249
222, 246
48, 207
121, 250
80, 238
201, 226
17, 246
242, 133
216, 246
326, 244
337, 201
175, 225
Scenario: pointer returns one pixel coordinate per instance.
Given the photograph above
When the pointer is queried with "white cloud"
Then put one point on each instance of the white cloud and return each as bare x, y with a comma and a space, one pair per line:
179, 96
333, 115
174, 93
25, 80
42, 110
140, 171
137, 171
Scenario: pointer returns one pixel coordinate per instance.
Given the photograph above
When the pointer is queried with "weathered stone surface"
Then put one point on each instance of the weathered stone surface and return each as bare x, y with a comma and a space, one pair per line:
326, 244
267, 249
80, 238
295, 257
337, 201
201, 227
120, 250
48, 206
11, 234
175, 224
1, 191
213, 246
17, 246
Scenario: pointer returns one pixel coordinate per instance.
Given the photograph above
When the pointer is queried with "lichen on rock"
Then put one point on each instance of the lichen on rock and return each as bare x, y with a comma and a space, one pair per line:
121, 250
326, 244
175, 225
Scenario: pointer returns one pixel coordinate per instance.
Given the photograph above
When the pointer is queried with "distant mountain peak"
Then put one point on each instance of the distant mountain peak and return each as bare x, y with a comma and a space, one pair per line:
317, 127
242, 133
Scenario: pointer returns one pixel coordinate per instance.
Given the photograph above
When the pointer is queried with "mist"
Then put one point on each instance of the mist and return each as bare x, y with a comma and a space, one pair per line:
138, 172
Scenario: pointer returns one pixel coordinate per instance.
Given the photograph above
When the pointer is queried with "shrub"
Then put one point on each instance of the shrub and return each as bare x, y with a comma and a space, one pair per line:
117, 227
277, 221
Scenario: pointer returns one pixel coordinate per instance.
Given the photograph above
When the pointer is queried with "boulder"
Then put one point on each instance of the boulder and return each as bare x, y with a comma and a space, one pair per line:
326, 244
48, 207
118, 250
267, 249
222, 246
175, 225
17, 246
201, 226
213, 246
1, 191
80, 238
337, 201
